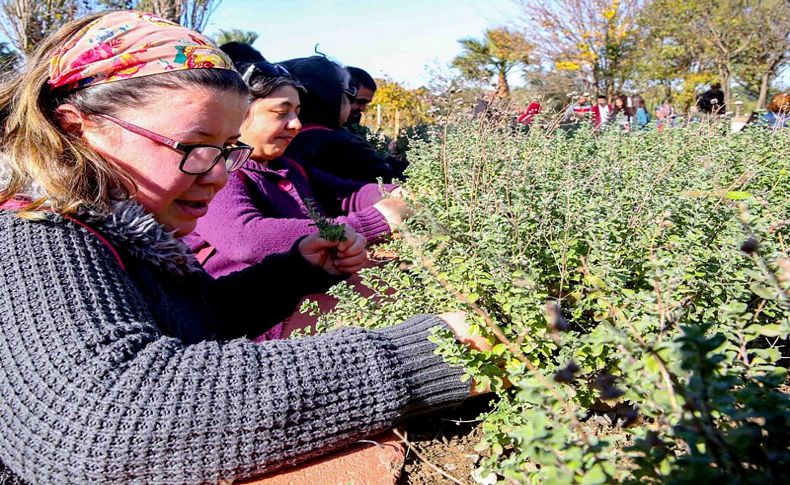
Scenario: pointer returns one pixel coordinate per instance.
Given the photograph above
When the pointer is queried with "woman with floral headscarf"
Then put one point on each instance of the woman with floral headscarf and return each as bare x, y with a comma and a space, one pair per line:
121, 360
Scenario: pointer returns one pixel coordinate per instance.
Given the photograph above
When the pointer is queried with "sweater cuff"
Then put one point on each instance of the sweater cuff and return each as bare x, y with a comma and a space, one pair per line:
370, 223
433, 384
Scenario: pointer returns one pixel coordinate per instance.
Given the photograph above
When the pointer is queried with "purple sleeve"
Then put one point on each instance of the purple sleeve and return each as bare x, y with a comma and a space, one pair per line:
368, 222
365, 197
243, 232
342, 196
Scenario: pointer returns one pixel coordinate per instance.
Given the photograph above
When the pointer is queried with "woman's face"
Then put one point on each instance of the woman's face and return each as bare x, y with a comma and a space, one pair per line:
189, 116
618, 102
271, 123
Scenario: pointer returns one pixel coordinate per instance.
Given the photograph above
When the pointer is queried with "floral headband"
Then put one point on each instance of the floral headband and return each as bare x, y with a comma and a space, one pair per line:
128, 44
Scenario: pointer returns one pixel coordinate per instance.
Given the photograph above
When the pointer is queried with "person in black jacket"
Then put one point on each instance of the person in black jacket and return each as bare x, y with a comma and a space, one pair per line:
322, 143
712, 100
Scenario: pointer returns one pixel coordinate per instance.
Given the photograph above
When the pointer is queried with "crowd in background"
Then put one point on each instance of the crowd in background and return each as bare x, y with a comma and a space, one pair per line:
629, 113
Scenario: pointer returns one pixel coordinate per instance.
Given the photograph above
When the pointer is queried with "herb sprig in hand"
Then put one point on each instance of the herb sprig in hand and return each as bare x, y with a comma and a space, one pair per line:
326, 229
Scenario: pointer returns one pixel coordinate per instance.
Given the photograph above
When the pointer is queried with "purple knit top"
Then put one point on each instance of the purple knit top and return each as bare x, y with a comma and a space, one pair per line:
261, 211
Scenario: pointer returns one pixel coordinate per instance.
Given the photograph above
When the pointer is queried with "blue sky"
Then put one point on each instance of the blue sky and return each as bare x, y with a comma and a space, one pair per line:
397, 38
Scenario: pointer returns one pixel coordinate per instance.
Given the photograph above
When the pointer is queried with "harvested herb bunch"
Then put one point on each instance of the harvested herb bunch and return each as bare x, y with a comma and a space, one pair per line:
326, 228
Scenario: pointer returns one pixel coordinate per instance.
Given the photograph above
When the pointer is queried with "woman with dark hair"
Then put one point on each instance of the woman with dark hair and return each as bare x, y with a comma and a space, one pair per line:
322, 143
641, 115
263, 209
121, 360
620, 117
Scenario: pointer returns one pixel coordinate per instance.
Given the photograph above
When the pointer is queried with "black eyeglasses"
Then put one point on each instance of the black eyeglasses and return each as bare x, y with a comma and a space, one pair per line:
351, 92
267, 69
198, 159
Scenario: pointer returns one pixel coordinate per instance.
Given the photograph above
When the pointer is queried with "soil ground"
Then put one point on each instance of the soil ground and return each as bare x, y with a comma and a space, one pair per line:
446, 439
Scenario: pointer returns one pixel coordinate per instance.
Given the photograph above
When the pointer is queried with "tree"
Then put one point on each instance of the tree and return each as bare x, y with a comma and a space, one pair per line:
666, 56
236, 35
725, 29
193, 14
735, 40
496, 54
770, 52
8, 57
400, 106
596, 39
28, 22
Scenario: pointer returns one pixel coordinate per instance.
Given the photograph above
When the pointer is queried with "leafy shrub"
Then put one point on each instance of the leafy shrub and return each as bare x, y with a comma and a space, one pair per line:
641, 280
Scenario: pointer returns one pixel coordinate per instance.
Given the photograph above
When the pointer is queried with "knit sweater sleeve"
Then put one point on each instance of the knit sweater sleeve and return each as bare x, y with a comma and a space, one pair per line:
351, 202
365, 197
92, 392
277, 283
244, 232
331, 190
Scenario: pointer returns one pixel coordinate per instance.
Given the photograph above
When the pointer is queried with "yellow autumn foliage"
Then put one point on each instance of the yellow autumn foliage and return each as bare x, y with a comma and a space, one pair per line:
567, 66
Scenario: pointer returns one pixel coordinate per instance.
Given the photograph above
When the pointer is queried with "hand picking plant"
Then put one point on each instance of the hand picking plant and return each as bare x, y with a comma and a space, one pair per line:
326, 229
637, 287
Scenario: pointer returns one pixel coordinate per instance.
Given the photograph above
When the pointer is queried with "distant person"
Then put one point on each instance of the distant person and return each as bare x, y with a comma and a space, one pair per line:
665, 114
712, 100
778, 115
641, 116
601, 112
366, 89
578, 111
620, 116
322, 144
526, 116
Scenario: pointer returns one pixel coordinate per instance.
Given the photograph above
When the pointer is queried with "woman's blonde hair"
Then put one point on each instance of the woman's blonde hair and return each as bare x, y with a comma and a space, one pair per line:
36, 151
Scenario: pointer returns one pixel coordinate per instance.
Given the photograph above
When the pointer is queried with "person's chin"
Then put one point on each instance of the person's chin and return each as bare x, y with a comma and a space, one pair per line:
277, 149
183, 228
185, 218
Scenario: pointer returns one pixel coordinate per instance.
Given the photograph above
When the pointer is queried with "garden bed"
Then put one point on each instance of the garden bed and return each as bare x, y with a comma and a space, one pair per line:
636, 287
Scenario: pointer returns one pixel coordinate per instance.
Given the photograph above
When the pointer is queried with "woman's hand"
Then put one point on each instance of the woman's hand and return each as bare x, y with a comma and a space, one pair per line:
335, 257
457, 323
398, 193
395, 211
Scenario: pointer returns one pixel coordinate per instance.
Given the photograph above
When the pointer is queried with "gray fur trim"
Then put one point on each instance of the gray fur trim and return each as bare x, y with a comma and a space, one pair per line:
130, 228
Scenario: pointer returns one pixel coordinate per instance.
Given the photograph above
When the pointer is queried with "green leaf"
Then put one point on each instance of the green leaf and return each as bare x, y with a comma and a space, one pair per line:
765, 330
738, 195
594, 475
762, 291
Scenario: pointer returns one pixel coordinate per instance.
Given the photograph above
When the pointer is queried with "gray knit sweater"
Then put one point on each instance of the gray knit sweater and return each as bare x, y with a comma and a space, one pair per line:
138, 375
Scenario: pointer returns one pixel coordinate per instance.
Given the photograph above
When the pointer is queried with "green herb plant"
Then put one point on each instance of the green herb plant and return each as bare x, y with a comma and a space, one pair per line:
636, 288
326, 228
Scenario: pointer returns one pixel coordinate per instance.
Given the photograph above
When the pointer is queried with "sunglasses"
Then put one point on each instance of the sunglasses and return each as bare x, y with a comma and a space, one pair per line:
265, 68
351, 92
198, 158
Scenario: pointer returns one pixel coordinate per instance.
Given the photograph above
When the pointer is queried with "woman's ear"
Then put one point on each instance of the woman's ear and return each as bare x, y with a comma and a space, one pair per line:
70, 119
